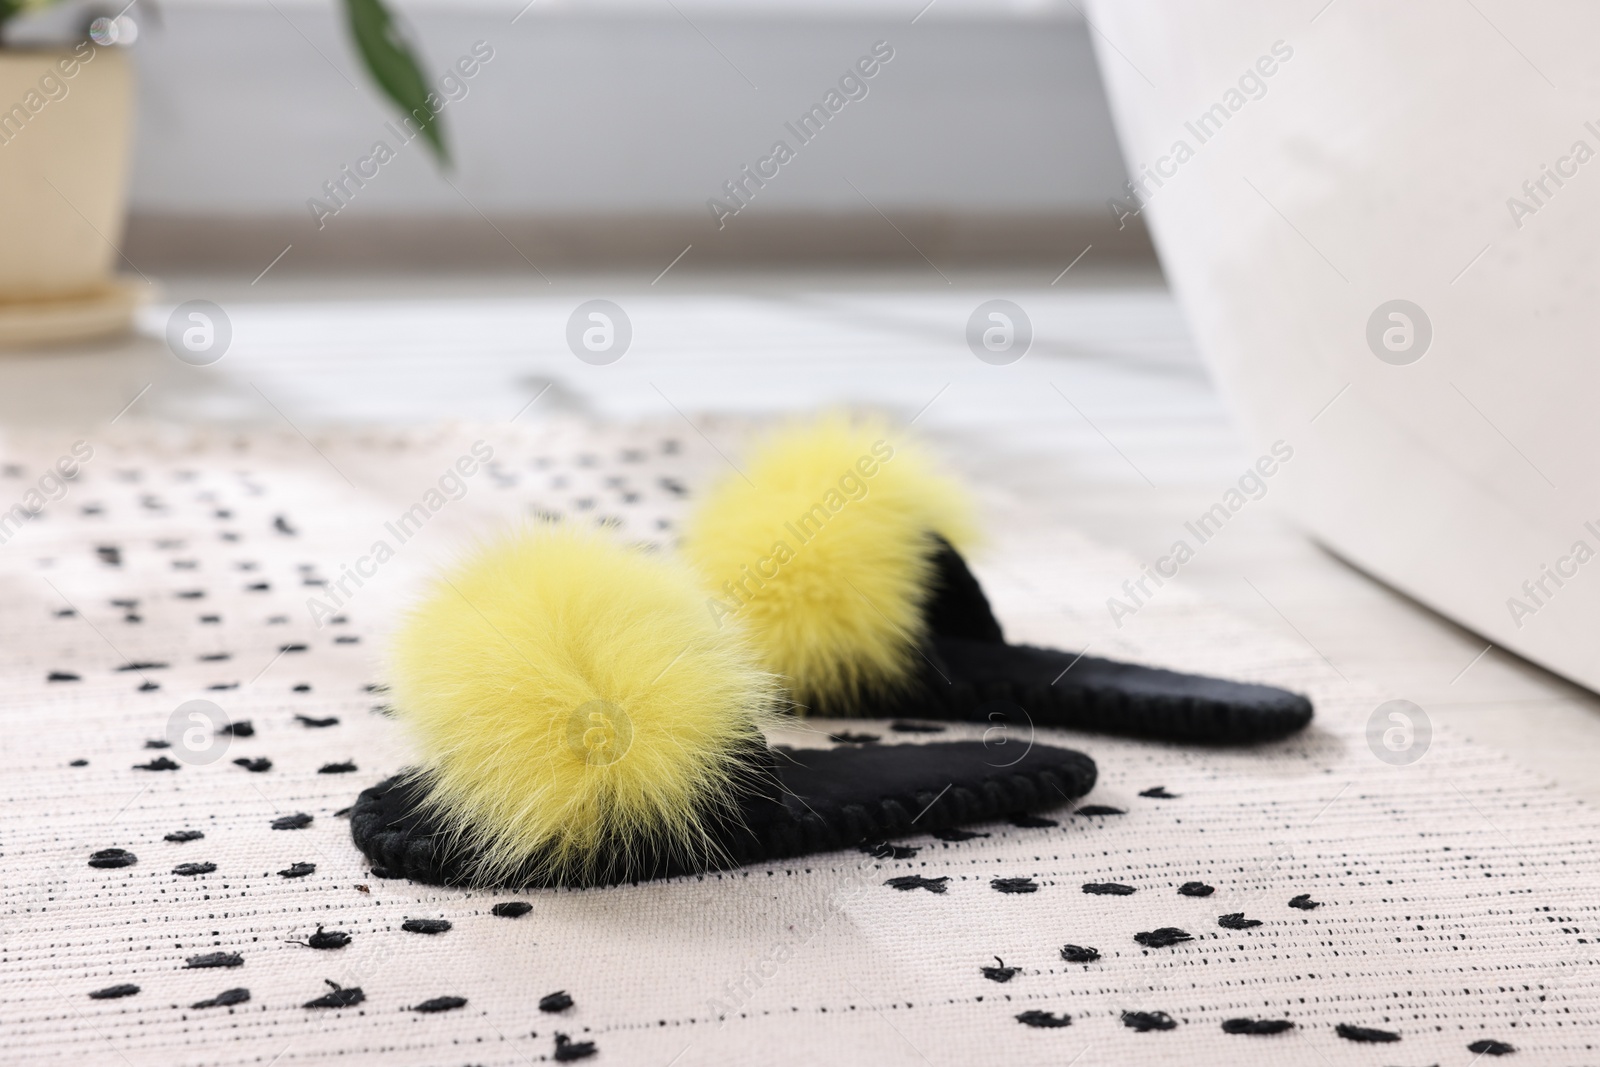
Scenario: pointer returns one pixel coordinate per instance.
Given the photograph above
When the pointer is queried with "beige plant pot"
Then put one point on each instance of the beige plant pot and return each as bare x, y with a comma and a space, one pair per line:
65, 131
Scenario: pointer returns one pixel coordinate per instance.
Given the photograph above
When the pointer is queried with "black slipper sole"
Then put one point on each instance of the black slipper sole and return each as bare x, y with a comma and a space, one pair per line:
976, 680
812, 800
968, 672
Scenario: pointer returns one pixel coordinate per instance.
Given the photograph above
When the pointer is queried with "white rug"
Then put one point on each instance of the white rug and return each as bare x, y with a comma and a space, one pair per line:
1456, 894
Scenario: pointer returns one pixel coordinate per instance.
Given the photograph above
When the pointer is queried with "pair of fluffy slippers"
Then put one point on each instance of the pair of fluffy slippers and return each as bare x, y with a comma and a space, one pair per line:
590, 713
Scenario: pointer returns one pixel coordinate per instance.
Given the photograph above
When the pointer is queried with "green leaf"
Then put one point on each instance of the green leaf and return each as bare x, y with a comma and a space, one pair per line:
10, 9
393, 65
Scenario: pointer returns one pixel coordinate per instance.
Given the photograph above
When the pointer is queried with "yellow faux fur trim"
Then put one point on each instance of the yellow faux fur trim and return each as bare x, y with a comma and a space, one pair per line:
823, 552
567, 694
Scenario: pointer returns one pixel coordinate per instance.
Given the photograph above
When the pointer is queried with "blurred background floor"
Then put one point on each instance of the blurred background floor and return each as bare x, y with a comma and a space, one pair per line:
1109, 424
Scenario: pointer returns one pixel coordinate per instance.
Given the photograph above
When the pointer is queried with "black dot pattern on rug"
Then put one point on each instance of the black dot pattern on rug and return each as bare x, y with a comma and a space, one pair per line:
849, 738
511, 909
1014, 885
902, 727
1256, 1026
438, 1004
1490, 1047
1146, 1021
252, 914
999, 972
554, 1002
115, 992
225, 999
1109, 889
328, 939
568, 1050
214, 959
908, 882
425, 926
1163, 937
958, 835
337, 997
1365, 1034
1236, 921
108, 858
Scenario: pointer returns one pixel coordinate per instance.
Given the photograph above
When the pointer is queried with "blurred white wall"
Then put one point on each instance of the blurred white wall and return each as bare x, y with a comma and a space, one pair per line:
248, 108
631, 109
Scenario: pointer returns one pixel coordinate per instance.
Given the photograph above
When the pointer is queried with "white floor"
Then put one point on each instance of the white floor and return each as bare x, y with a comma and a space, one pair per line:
1109, 424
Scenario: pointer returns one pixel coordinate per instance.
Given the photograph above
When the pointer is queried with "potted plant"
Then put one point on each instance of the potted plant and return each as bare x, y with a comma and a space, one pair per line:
65, 130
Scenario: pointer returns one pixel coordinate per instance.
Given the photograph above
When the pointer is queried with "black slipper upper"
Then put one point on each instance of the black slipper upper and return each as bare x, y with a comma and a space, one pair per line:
965, 670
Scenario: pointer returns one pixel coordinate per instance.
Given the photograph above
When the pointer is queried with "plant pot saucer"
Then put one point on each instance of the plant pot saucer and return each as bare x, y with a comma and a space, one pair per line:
104, 312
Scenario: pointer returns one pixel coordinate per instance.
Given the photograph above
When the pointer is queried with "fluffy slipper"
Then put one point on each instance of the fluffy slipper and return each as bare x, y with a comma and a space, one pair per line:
583, 720
840, 551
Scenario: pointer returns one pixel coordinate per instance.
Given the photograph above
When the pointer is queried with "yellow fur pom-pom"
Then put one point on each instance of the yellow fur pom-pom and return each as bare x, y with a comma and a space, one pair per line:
570, 696
825, 553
